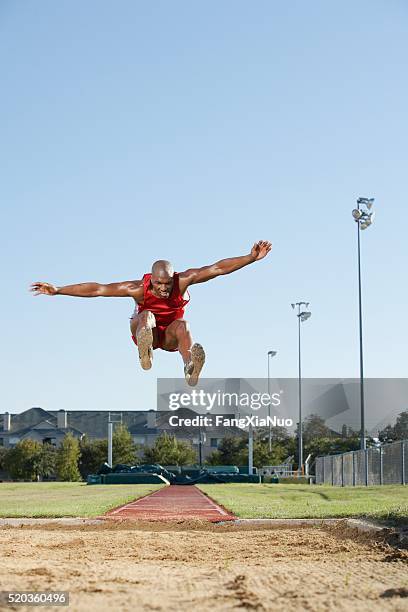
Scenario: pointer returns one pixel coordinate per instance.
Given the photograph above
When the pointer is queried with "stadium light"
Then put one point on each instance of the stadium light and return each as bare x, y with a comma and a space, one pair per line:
363, 216
302, 315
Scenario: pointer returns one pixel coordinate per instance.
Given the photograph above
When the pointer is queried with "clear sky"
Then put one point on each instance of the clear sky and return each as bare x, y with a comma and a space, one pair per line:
136, 130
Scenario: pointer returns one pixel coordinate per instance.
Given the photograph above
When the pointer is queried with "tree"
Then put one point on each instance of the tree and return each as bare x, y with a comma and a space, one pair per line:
230, 451
214, 458
278, 433
168, 450
67, 459
315, 427
123, 447
332, 446
3, 452
234, 451
262, 455
93, 454
47, 461
23, 460
401, 426
397, 432
387, 434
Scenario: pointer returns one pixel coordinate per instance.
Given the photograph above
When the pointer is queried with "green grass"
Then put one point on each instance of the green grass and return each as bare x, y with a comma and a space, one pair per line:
59, 499
74, 499
387, 503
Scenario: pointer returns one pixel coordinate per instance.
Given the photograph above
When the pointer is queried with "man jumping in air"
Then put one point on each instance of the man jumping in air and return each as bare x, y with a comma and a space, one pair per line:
160, 300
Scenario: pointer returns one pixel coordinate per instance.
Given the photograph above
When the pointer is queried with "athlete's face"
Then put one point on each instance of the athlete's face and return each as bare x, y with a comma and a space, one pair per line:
161, 285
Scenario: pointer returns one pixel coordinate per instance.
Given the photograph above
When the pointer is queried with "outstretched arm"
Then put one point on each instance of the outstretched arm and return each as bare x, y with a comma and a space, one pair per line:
123, 289
225, 266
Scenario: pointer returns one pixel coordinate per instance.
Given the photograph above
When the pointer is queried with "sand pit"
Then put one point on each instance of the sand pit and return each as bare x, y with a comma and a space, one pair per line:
161, 566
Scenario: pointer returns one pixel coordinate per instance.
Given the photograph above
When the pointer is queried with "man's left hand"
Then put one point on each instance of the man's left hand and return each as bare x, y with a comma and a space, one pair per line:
260, 249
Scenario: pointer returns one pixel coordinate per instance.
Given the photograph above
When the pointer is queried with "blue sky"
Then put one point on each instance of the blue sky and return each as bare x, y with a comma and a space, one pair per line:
134, 131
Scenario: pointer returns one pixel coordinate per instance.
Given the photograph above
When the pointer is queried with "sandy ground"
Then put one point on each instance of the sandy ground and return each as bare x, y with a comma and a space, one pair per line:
204, 567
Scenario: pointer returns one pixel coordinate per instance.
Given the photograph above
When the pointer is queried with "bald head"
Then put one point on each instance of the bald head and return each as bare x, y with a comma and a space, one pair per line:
161, 267
162, 278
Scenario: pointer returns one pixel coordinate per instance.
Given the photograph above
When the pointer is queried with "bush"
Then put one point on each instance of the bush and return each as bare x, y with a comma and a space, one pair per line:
3, 452
48, 460
123, 447
234, 451
67, 459
23, 461
93, 453
168, 450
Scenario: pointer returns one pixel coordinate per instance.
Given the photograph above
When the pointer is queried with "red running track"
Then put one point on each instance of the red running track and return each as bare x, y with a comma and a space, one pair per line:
176, 502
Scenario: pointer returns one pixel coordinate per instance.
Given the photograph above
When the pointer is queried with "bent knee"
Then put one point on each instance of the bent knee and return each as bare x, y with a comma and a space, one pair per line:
147, 317
142, 319
182, 326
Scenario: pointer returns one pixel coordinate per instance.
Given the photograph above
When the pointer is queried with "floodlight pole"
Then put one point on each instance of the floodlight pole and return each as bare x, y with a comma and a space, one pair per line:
300, 399
270, 354
302, 315
363, 218
360, 314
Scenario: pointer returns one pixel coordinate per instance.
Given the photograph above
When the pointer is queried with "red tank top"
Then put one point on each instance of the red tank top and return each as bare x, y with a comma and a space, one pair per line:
165, 310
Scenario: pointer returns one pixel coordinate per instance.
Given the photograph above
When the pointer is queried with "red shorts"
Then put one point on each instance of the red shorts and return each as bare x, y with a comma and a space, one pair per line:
160, 330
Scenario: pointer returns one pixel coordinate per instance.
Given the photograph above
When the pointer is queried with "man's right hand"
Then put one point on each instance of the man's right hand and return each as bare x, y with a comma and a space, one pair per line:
45, 288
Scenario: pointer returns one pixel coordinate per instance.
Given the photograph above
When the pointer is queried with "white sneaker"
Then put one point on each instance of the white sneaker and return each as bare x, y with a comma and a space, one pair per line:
145, 346
193, 368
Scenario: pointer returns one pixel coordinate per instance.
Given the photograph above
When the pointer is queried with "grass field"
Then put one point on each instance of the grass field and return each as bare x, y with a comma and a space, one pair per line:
70, 499
59, 499
386, 503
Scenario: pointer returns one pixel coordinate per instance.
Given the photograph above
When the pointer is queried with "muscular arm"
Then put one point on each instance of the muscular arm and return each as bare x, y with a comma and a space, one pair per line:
122, 289
224, 266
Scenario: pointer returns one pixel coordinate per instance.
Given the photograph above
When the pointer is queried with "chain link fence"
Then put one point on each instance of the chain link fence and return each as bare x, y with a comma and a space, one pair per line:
387, 464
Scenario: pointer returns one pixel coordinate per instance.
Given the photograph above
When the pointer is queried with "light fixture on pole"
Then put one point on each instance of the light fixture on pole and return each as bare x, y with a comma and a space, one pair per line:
270, 355
364, 217
303, 314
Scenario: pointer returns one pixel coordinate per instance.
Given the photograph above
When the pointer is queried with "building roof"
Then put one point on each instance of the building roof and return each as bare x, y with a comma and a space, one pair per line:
50, 432
28, 418
94, 423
